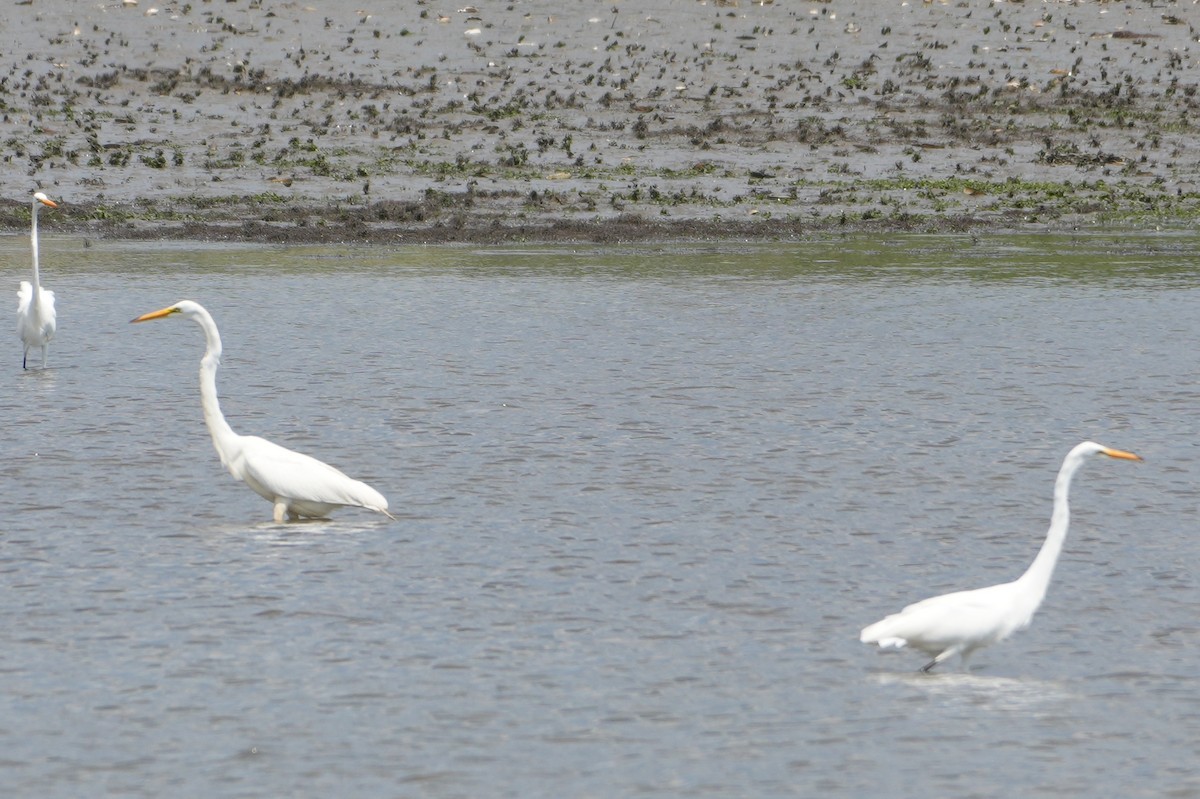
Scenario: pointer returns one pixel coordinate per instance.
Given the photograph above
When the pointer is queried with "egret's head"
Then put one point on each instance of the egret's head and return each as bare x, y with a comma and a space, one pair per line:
44, 200
1089, 448
185, 308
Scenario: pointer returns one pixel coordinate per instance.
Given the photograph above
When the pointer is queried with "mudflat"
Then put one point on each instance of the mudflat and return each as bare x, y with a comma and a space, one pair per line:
598, 121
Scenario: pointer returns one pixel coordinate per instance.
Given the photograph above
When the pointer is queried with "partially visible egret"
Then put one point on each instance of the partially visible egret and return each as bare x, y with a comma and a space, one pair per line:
961, 622
36, 321
298, 486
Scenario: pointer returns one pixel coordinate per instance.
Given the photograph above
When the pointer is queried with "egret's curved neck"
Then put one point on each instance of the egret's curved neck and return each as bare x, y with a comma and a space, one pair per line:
222, 434
1038, 575
33, 243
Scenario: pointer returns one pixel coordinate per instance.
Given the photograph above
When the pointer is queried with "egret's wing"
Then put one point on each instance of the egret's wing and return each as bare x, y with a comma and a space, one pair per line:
282, 472
962, 614
49, 317
24, 295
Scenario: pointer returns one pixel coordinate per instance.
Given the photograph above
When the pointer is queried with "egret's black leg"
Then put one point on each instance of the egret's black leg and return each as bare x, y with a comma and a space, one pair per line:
941, 656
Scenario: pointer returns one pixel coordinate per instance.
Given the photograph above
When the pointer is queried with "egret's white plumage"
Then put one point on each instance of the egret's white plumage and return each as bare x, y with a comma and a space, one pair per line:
36, 320
296, 485
961, 622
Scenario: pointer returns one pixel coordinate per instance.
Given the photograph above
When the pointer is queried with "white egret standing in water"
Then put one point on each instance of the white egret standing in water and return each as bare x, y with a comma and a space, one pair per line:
36, 321
296, 485
961, 622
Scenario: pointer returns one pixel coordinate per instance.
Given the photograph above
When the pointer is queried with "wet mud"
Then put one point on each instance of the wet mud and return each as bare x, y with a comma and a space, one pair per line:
598, 121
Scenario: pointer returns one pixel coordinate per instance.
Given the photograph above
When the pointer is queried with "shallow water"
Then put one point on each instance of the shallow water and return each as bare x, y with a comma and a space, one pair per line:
647, 498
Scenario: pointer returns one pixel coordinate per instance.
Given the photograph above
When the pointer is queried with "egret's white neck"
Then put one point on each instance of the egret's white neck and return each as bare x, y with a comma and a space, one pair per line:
1037, 576
37, 279
222, 434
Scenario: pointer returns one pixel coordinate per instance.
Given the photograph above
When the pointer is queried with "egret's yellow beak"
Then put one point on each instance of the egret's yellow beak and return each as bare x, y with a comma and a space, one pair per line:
146, 317
1122, 454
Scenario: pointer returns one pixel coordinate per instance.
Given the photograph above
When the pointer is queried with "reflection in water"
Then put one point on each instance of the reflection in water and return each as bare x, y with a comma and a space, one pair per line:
1096, 258
1023, 694
300, 533
42, 380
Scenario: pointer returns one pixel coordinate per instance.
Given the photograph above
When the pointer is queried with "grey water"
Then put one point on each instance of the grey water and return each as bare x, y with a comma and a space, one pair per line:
646, 498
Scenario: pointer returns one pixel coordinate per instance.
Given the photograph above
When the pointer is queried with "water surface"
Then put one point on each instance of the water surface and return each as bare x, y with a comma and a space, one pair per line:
647, 497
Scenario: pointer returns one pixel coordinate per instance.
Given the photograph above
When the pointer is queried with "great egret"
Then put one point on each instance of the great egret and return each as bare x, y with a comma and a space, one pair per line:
961, 622
36, 320
297, 485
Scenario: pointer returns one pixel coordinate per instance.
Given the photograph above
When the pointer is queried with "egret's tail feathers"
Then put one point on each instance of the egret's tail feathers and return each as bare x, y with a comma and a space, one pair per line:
878, 633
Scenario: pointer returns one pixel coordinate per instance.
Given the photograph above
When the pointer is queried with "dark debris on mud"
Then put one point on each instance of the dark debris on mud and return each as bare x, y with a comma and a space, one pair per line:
269, 121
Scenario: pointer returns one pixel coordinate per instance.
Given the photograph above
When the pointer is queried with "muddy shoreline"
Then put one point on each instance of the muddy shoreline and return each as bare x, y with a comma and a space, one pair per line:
597, 121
